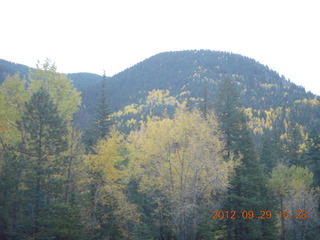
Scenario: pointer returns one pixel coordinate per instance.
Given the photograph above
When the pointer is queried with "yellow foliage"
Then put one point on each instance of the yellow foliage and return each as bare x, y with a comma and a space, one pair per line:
248, 112
130, 109
13, 96
266, 85
105, 161
108, 176
312, 102
59, 86
2, 115
184, 93
117, 114
181, 158
293, 187
157, 97
14, 92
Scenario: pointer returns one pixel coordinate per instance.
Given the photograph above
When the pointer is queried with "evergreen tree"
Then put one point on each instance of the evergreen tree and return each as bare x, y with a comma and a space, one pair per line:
247, 191
35, 179
269, 153
12, 198
43, 184
101, 122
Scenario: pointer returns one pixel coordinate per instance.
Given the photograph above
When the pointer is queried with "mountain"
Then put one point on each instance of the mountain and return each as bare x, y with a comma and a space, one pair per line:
10, 68
84, 80
186, 75
258, 86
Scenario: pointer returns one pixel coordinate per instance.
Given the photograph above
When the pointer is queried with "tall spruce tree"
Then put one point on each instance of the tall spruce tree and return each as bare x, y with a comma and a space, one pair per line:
99, 129
269, 152
101, 122
247, 191
42, 148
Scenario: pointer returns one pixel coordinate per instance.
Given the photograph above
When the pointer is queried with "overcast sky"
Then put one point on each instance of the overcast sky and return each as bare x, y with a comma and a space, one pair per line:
93, 35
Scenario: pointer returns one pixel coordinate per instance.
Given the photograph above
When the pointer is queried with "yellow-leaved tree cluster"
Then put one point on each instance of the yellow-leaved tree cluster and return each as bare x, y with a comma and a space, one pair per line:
180, 164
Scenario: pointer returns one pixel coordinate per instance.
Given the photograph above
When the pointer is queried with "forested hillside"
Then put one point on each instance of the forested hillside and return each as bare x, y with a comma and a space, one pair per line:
9, 68
184, 145
84, 80
258, 86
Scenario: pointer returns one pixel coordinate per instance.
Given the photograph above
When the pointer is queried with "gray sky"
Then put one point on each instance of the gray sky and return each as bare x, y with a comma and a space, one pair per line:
90, 36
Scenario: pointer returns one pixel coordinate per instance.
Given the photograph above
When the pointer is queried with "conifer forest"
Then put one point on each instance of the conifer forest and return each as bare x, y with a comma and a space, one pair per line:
188, 145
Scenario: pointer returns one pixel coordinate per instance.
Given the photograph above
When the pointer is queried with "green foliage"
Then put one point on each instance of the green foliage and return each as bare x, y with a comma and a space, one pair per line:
231, 119
312, 155
292, 187
13, 97
284, 180
60, 221
9, 68
12, 198
34, 161
269, 153
41, 148
43, 126
84, 80
101, 122
248, 190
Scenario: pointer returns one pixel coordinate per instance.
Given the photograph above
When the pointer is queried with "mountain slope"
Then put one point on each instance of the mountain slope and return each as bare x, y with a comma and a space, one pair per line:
84, 80
10, 68
259, 87
186, 74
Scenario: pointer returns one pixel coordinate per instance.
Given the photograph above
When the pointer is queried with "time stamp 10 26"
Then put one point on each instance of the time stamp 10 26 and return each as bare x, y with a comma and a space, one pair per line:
258, 215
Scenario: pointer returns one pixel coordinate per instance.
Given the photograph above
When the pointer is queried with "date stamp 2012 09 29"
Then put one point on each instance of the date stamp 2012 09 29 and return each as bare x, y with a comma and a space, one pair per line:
261, 215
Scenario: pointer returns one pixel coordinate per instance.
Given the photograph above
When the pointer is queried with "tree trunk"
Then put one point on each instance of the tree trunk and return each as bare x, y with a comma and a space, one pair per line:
282, 219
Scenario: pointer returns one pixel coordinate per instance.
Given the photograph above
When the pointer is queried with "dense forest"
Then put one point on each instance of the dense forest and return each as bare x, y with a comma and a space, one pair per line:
184, 145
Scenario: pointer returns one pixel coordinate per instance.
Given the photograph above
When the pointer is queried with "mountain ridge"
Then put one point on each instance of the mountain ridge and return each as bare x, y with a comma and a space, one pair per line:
199, 67
185, 74
15, 67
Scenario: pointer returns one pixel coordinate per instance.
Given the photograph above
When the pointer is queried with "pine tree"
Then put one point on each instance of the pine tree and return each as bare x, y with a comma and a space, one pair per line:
12, 198
101, 122
247, 191
42, 150
269, 153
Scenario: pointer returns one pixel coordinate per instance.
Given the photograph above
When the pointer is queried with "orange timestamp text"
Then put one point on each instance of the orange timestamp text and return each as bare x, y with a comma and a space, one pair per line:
260, 215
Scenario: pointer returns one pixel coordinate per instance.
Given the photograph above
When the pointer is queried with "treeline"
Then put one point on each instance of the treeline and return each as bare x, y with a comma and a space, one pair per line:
167, 168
